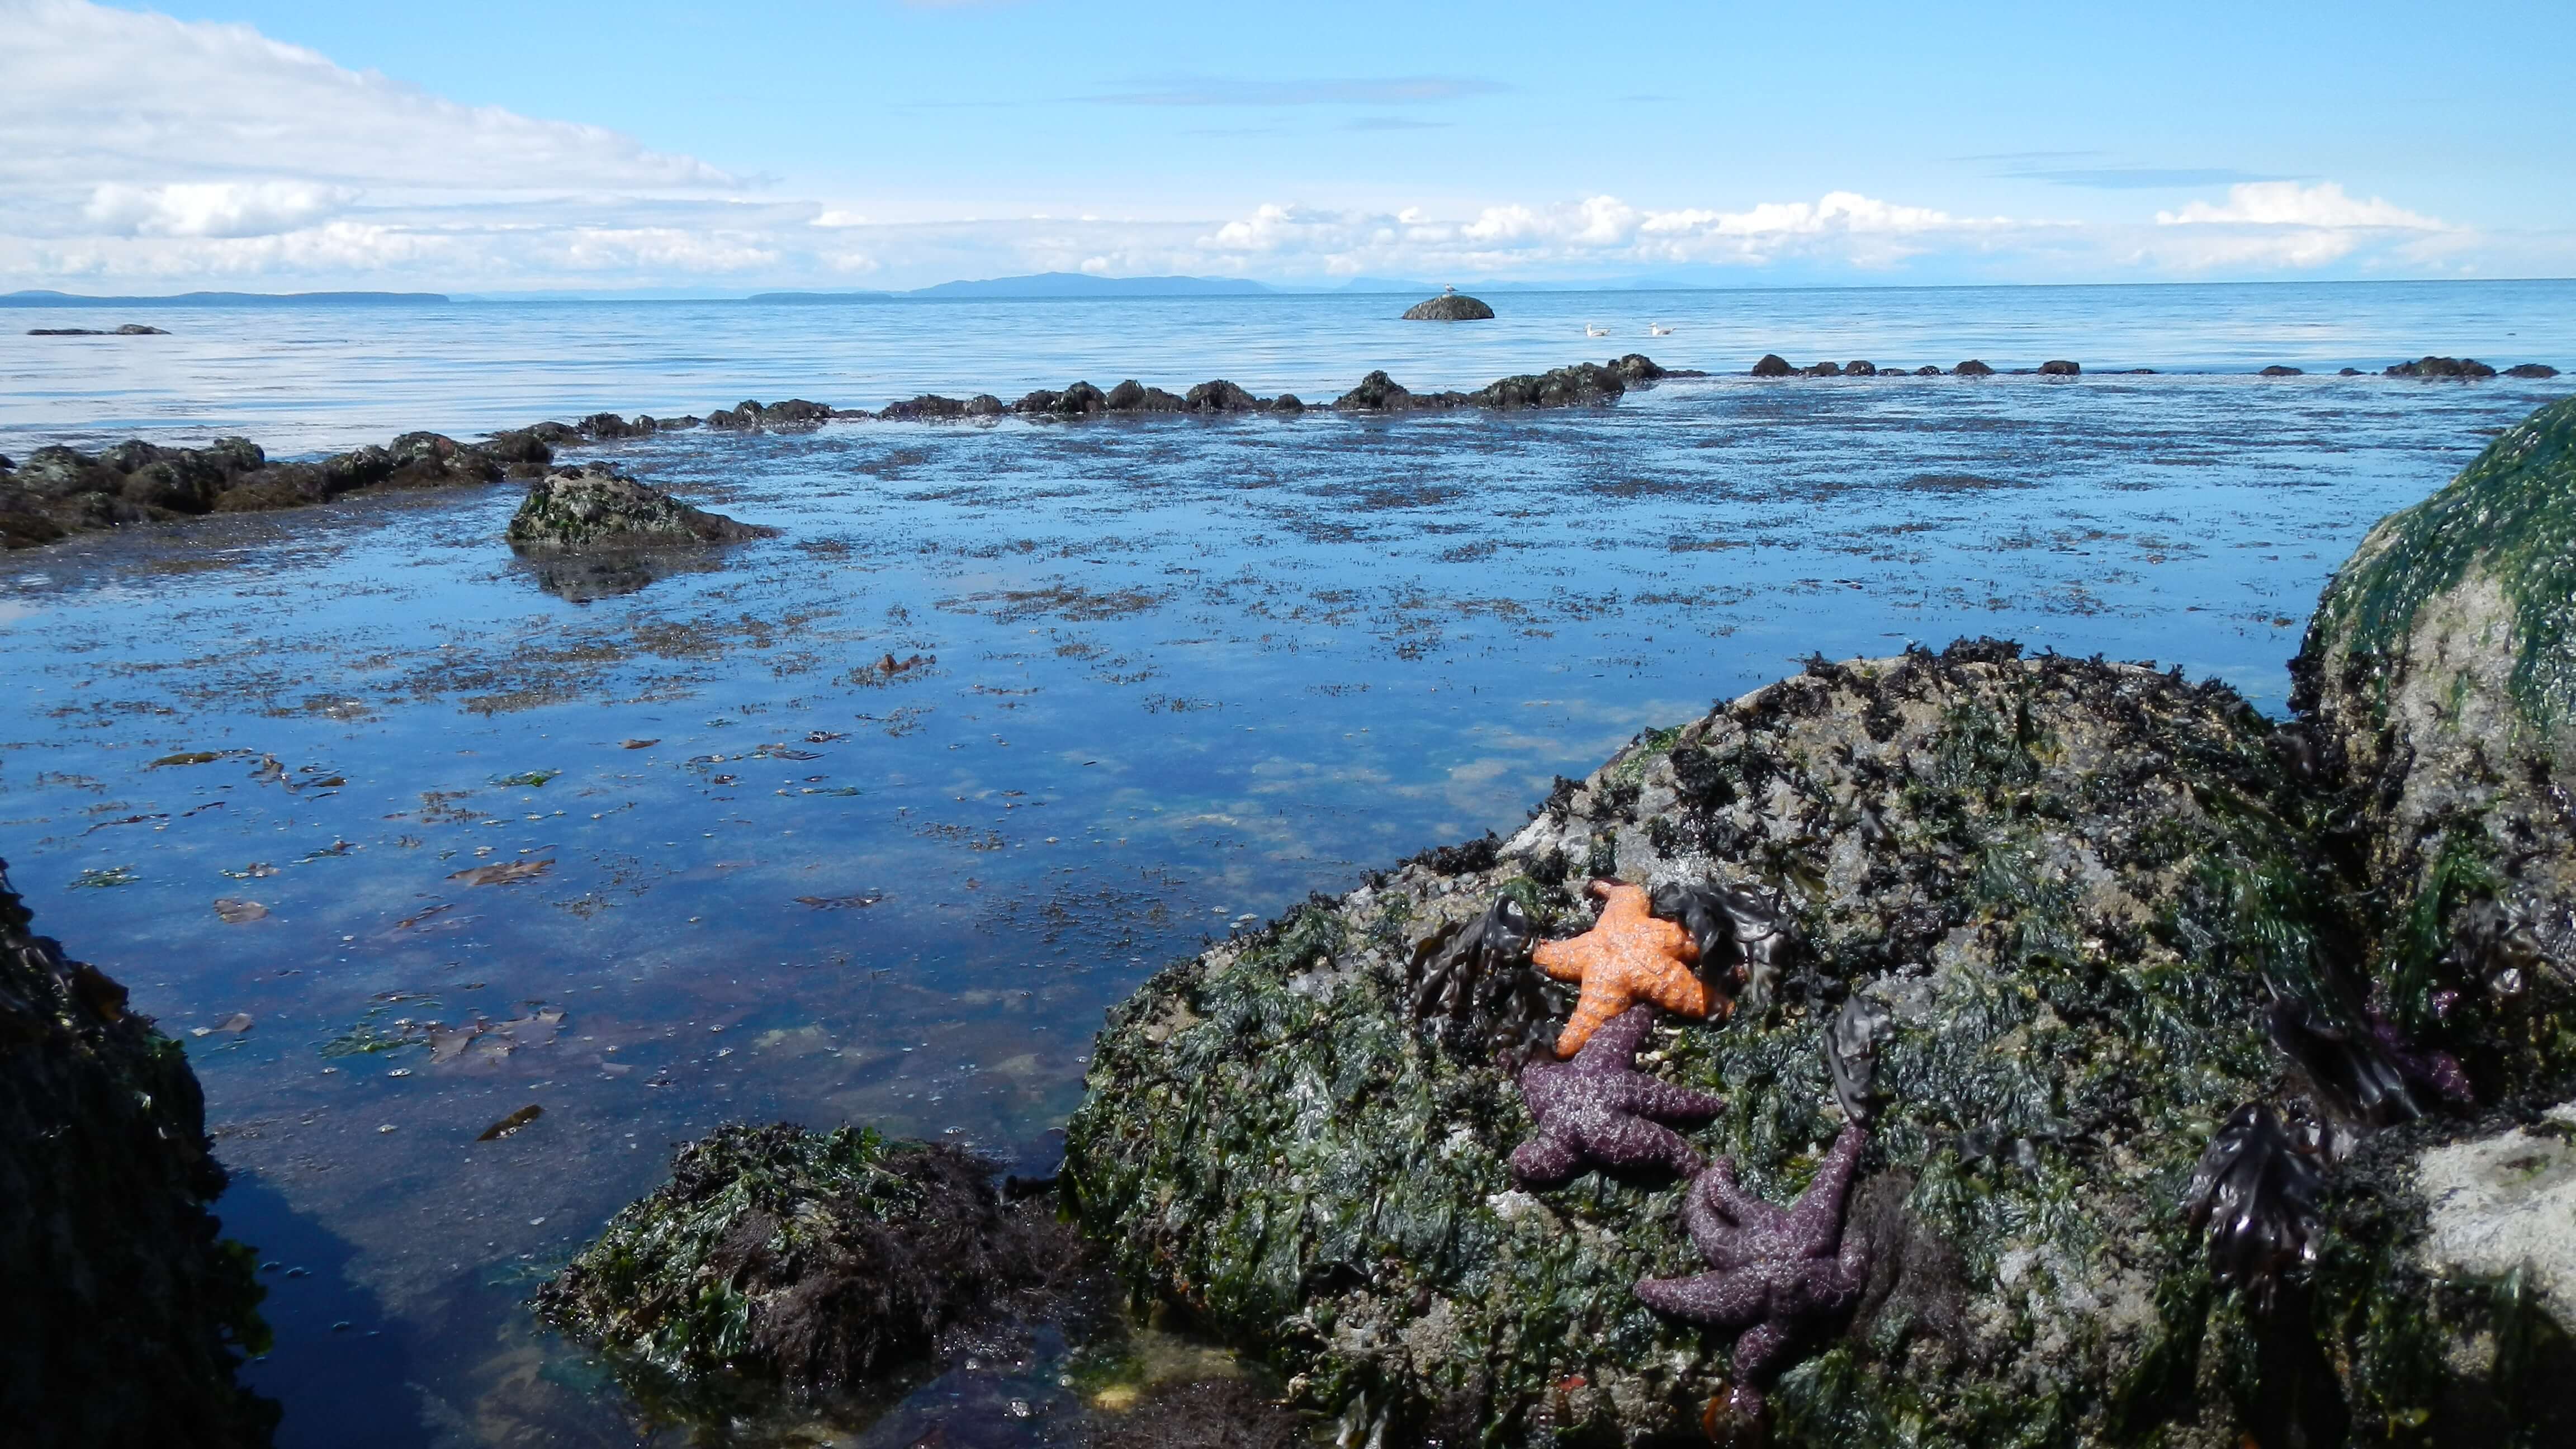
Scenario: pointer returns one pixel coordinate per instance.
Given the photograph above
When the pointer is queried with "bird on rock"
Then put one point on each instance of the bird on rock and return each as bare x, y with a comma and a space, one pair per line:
1599, 1111
1779, 1276
1627, 957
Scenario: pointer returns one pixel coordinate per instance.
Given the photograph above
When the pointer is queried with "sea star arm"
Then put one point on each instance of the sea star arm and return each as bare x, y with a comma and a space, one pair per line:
1723, 1300
1667, 1102
1633, 1142
1724, 1219
1679, 992
1552, 958
1546, 1160
1817, 1220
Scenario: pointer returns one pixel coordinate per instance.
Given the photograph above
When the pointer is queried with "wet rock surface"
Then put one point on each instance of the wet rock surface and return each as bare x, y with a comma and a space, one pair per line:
2040, 917
125, 1317
831, 1272
599, 508
2438, 678
56, 491
1449, 307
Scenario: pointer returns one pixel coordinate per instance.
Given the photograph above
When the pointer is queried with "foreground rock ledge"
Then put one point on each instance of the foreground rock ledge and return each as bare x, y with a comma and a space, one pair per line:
122, 1318
2074, 888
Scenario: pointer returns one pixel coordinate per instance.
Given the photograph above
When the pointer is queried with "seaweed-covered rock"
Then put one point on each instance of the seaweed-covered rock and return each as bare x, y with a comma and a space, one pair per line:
1772, 364
2440, 675
2455, 369
1584, 384
1219, 396
1376, 393
139, 482
2533, 371
2068, 897
1132, 396
1972, 368
794, 415
125, 1317
824, 1266
2061, 367
929, 407
599, 507
1449, 307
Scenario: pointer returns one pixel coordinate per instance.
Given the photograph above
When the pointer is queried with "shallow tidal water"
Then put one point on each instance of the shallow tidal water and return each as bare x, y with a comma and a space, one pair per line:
696, 853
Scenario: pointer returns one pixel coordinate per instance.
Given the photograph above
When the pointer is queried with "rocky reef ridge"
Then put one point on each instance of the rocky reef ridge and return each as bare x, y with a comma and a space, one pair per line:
126, 1318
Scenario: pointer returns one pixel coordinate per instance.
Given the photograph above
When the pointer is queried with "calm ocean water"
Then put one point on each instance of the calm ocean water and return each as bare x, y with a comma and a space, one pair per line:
1177, 674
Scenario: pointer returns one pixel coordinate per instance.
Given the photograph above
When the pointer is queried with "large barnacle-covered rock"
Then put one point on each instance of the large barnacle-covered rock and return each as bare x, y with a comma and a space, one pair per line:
2440, 672
2070, 900
123, 1317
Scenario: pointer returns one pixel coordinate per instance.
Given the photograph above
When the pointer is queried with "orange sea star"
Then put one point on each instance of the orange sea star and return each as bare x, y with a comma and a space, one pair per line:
1627, 957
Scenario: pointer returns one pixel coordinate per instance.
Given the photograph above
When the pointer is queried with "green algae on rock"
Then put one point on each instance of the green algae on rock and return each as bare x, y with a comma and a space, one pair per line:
598, 507
2072, 888
817, 1267
2440, 676
122, 1317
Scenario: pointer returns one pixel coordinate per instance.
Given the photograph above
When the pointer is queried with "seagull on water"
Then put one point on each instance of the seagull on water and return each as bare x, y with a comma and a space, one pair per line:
1591, 331
1658, 329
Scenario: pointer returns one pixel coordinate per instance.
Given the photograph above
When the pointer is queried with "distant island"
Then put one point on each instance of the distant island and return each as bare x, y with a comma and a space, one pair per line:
229, 299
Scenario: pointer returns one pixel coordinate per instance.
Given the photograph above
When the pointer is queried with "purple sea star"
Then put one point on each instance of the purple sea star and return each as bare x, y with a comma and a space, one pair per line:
1598, 1111
1780, 1274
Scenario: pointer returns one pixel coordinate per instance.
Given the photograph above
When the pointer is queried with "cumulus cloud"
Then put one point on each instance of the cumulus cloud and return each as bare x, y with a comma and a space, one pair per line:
91, 95
1596, 232
2287, 203
214, 208
148, 152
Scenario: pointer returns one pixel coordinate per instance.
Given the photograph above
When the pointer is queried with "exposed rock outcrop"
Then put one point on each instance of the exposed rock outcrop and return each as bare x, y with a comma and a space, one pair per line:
58, 491
2061, 367
2280, 370
1449, 307
1972, 368
2073, 908
2439, 674
2455, 369
598, 507
125, 1318
2534, 371
130, 329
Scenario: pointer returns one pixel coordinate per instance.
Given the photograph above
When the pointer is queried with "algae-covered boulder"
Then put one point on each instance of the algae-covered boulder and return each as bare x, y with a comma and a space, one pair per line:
2054, 914
598, 507
821, 1267
2440, 675
122, 1317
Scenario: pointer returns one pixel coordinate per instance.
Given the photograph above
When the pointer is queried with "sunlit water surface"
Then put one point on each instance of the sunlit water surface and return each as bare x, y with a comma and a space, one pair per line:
1174, 675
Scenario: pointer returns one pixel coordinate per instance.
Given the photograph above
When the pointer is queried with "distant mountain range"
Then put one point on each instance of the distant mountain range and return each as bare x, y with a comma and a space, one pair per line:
229, 299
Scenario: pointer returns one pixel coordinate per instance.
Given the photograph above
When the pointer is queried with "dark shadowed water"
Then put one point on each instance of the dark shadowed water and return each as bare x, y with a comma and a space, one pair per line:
694, 853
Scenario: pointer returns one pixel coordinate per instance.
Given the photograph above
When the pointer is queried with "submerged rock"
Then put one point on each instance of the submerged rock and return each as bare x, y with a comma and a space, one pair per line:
2439, 673
598, 507
2034, 917
2458, 369
826, 1267
130, 329
125, 1319
1449, 307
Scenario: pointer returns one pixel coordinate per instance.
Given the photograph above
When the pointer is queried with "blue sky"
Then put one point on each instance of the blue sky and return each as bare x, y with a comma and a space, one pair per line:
481, 146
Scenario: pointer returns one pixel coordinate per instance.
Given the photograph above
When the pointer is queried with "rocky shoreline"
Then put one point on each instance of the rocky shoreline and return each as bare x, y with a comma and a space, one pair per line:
58, 492
2140, 1069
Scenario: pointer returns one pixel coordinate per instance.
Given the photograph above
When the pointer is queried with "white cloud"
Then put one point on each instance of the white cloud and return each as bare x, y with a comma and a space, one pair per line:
90, 95
150, 153
2287, 203
214, 208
